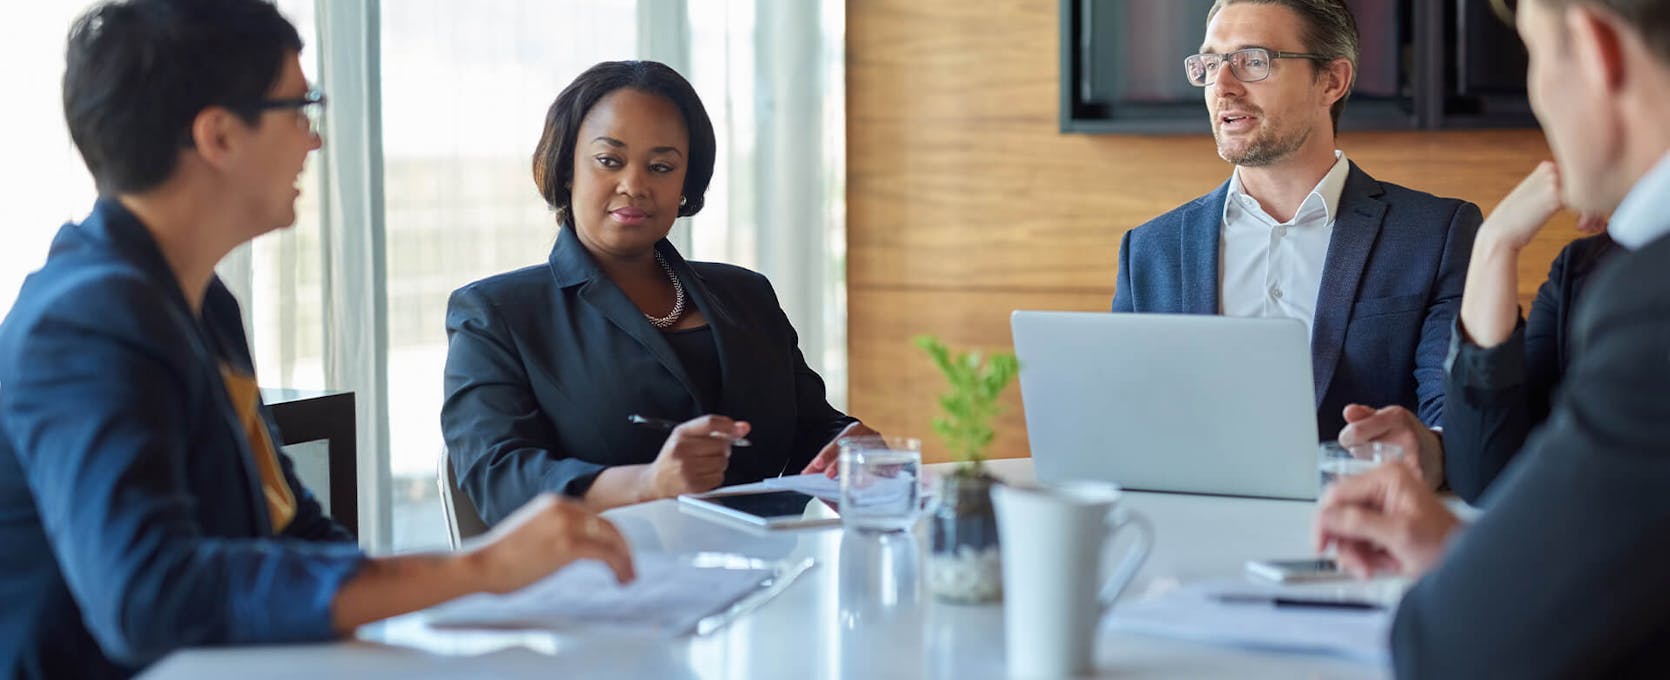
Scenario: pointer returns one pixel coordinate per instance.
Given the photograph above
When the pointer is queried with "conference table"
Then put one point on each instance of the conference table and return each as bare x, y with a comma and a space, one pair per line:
861, 612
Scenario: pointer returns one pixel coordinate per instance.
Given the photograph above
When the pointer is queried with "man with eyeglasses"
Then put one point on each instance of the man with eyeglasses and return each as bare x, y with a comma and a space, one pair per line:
143, 504
1372, 269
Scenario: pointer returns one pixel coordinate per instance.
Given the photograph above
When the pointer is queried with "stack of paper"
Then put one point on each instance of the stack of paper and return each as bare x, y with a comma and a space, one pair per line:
670, 596
1196, 612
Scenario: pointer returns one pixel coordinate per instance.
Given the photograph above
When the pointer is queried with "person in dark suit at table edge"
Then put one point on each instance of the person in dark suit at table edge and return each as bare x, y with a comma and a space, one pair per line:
1372, 269
545, 363
1503, 371
144, 507
1563, 573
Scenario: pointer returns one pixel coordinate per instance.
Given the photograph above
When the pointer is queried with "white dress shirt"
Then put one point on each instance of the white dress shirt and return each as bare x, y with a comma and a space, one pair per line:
1639, 219
1273, 269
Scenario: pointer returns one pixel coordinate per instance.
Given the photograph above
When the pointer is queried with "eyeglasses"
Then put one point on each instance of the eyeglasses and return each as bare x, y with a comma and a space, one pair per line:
310, 107
1249, 65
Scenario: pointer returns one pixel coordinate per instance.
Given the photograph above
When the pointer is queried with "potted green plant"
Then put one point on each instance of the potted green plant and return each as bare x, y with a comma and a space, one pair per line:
964, 564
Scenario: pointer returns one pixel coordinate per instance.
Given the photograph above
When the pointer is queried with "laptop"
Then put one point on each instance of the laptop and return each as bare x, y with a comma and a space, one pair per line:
1170, 402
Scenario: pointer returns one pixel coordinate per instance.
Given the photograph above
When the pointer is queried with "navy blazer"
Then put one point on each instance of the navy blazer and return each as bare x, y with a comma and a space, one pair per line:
131, 511
545, 363
1391, 286
1497, 395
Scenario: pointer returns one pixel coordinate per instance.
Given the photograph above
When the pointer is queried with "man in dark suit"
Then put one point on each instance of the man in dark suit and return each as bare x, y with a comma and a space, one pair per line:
1372, 269
1563, 575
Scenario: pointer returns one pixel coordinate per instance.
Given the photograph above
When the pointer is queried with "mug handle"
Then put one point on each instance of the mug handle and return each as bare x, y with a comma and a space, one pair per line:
1133, 559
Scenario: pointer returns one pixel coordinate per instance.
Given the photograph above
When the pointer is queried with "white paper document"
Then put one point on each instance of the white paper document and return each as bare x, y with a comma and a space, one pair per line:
1195, 612
814, 484
671, 596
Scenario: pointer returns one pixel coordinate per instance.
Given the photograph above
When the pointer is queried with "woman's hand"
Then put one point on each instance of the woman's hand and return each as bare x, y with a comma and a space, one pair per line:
825, 462
543, 536
693, 459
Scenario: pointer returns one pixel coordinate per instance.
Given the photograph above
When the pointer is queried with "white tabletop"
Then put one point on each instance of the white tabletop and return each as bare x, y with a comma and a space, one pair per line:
862, 612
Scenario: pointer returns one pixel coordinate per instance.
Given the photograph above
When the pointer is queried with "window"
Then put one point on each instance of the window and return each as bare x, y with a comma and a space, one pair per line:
465, 87
44, 184
463, 90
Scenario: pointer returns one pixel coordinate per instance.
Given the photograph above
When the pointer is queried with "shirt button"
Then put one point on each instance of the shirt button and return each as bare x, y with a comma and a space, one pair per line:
1280, 232
1275, 293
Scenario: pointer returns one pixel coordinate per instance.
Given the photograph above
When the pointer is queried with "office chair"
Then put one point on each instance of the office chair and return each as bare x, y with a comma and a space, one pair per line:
462, 521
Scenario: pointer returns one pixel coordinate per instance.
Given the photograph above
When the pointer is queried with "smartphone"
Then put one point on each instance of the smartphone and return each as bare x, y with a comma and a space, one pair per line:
770, 509
1297, 571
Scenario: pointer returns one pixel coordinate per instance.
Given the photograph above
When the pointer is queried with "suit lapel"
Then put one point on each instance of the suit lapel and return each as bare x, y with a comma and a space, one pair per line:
571, 263
1356, 228
1202, 224
113, 223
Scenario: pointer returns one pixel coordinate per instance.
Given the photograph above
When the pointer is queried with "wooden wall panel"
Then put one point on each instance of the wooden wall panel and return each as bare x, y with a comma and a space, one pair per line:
964, 201
903, 383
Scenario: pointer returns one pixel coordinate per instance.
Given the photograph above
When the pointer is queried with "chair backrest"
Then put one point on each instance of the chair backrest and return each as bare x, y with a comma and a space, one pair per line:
462, 522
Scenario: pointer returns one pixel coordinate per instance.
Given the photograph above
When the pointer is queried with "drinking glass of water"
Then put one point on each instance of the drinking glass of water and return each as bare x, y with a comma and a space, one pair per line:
880, 483
1337, 462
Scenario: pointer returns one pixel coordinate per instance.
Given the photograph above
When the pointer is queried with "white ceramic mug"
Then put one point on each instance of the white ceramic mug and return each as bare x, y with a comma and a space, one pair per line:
1053, 540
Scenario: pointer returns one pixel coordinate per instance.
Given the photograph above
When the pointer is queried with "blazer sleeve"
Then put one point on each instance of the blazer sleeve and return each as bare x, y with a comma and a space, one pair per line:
1434, 345
96, 419
816, 422
1564, 575
1122, 301
499, 441
1495, 396
1543, 330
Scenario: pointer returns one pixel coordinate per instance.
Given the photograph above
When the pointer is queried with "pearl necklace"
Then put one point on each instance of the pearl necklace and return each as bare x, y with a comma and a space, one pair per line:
678, 297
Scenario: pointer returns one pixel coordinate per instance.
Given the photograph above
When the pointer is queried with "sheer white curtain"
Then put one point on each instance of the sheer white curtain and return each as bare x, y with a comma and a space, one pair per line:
772, 76
43, 183
465, 87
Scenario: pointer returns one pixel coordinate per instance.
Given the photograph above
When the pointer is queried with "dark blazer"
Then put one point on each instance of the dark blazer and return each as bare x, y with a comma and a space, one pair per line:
1391, 286
131, 511
545, 363
1493, 397
1564, 575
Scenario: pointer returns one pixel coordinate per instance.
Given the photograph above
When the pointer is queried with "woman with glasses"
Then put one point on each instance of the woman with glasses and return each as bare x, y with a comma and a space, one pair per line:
144, 504
547, 365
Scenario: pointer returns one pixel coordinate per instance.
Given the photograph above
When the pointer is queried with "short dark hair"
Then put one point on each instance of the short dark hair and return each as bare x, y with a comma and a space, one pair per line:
553, 159
137, 73
1330, 30
1651, 18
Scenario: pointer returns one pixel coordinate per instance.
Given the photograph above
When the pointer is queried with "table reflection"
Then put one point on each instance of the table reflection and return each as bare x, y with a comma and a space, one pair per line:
881, 609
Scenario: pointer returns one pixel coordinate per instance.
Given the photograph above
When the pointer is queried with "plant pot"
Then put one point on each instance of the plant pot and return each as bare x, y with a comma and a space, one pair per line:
964, 564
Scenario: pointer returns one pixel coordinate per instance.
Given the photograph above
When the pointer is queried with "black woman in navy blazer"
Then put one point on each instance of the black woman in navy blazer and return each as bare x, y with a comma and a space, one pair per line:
545, 363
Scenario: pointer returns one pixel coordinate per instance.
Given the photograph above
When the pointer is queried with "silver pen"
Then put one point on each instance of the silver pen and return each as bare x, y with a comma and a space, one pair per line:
668, 425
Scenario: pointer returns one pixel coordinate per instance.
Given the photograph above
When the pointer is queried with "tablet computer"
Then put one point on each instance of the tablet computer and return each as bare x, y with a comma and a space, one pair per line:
766, 508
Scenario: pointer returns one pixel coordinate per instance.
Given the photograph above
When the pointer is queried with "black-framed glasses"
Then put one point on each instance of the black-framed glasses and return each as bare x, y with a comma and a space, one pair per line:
310, 109
1249, 65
